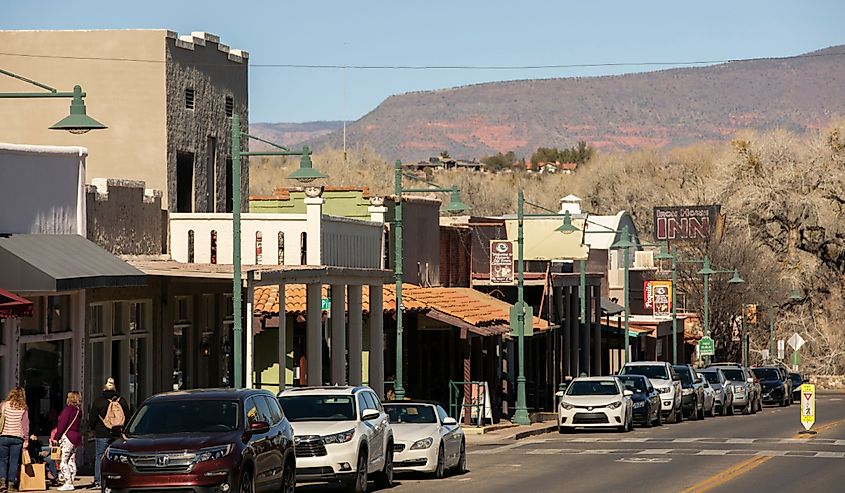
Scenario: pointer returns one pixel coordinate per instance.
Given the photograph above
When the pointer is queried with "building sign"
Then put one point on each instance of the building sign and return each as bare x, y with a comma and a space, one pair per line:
657, 297
501, 262
685, 223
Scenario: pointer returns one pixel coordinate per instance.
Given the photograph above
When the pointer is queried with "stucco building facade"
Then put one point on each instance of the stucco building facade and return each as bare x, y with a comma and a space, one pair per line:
167, 101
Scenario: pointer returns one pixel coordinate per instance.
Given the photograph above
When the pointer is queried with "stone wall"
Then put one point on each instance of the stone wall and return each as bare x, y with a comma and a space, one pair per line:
828, 382
214, 71
125, 218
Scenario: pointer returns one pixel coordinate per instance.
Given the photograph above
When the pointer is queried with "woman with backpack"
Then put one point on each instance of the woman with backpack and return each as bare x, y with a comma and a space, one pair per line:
69, 437
107, 411
14, 433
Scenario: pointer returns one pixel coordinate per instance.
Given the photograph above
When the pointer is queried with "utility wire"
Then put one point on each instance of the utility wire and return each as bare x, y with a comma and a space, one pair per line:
447, 67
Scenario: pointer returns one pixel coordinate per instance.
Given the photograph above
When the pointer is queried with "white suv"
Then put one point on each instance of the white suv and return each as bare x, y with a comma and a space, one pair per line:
665, 380
342, 434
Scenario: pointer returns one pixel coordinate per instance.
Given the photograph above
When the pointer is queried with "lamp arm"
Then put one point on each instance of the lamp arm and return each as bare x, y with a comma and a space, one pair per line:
270, 143
30, 81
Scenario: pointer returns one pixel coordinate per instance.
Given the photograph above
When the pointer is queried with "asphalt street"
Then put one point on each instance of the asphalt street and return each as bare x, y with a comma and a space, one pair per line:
762, 452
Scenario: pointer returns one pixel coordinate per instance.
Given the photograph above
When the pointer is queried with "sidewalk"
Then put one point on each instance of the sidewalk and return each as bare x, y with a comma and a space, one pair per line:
506, 432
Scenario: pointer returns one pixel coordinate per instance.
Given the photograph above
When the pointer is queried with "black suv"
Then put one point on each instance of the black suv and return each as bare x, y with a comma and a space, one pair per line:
201, 441
775, 384
692, 392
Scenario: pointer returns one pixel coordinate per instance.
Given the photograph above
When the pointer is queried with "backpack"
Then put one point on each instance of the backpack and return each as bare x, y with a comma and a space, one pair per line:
114, 414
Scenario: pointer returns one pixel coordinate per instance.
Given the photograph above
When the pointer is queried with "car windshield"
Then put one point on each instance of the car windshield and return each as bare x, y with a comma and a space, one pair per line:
685, 374
318, 407
796, 379
162, 417
634, 384
410, 413
650, 371
767, 373
734, 374
592, 387
711, 377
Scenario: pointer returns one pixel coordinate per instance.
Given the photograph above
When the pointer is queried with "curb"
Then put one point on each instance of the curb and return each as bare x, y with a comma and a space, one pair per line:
537, 431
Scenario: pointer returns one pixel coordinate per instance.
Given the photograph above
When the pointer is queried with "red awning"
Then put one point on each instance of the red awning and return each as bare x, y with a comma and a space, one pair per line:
13, 306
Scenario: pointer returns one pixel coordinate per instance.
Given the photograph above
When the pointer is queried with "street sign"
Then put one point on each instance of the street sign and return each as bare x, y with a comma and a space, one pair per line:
529, 320
765, 354
706, 347
795, 341
808, 405
501, 262
325, 304
781, 348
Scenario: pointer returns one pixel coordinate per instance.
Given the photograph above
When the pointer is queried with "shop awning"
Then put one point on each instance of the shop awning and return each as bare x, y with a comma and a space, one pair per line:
610, 308
50, 263
13, 306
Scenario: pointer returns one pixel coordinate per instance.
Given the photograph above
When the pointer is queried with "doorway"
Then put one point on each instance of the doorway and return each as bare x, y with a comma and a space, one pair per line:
184, 182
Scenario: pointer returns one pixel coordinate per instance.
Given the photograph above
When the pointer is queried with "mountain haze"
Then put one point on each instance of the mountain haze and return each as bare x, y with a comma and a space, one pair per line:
653, 109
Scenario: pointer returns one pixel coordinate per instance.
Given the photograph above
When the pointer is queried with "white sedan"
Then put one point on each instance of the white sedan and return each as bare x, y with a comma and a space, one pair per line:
426, 439
595, 402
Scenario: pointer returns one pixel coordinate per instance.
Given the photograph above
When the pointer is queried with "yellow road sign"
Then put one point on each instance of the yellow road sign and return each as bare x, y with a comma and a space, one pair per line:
808, 405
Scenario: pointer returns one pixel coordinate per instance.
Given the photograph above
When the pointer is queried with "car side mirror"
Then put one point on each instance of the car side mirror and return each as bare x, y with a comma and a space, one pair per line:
627, 393
559, 393
449, 421
369, 414
259, 427
749, 380
676, 378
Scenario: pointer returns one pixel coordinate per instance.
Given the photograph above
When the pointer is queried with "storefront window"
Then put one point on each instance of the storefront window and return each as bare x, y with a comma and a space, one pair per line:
58, 313
138, 350
96, 320
118, 320
138, 316
42, 376
96, 361
35, 323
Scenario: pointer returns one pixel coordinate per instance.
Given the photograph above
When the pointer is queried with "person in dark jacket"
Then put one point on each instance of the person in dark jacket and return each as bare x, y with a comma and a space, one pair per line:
102, 434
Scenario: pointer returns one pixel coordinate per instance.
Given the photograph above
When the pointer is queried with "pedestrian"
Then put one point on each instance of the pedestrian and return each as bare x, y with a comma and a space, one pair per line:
40, 453
69, 437
107, 412
14, 433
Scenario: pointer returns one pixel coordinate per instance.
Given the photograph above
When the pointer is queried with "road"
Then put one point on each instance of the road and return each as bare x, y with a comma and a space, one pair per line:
762, 452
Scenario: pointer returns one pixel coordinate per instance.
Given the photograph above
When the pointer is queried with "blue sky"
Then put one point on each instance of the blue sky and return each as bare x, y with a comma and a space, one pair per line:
443, 32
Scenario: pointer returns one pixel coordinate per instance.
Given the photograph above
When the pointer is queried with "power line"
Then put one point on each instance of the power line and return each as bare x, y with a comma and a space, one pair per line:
446, 67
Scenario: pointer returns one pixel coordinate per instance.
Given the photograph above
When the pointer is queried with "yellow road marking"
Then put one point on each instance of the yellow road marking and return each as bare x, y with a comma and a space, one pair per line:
743, 467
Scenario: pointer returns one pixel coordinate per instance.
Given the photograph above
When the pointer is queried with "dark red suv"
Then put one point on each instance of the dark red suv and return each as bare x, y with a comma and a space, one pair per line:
203, 441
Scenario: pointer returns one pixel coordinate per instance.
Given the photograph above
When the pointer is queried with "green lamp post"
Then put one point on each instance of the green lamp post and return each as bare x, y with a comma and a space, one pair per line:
455, 206
707, 271
669, 254
624, 243
305, 174
77, 122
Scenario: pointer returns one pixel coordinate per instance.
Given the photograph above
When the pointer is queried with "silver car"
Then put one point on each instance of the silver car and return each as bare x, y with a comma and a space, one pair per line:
709, 406
743, 390
724, 392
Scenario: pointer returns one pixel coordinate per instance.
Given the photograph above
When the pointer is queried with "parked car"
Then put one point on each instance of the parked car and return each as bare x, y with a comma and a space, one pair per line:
709, 397
776, 388
592, 402
692, 392
742, 383
723, 390
203, 440
784, 371
646, 400
797, 381
342, 434
426, 438
665, 380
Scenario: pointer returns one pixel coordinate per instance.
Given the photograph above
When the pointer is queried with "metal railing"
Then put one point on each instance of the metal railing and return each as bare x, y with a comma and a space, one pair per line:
477, 401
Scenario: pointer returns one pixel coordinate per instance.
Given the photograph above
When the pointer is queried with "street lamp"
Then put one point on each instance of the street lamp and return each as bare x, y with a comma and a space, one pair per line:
624, 243
707, 271
77, 122
455, 206
669, 254
305, 174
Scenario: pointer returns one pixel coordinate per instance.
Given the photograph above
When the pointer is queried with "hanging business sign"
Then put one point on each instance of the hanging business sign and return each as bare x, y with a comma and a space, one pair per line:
686, 222
657, 297
501, 262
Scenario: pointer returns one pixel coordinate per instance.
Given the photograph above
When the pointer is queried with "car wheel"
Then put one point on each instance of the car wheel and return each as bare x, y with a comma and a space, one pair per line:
384, 479
731, 409
701, 412
648, 423
693, 416
359, 482
289, 478
783, 402
462, 460
440, 471
247, 483
747, 409
712, 411
679, 415
659, 417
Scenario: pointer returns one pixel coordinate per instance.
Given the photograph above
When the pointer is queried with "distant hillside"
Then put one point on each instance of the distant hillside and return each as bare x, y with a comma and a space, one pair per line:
288, 134
664, 108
